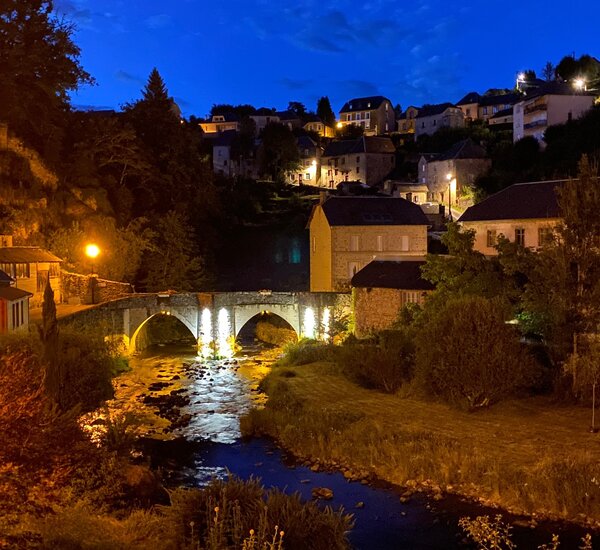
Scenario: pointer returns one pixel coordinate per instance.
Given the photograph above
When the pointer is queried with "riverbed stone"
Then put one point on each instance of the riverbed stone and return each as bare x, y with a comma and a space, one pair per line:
322, 492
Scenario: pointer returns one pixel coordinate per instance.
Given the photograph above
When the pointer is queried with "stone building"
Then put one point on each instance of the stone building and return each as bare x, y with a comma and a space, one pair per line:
431, 118
526, 213
382, 288
14, 306
374, 114
346, 233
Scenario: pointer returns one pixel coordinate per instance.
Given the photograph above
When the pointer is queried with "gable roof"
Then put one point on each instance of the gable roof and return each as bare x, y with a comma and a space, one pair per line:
502, 99
431, 110
465, 149
364, 144
363, 103
26, 255
520, 201
401, 274
503, 113
471, 97
5, 279
287, 115
554, 88
10, 293
368, 210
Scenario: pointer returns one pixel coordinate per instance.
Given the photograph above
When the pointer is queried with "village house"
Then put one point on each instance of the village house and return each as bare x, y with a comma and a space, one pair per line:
525, 213
289, 119
346, 233
504, 118
411, 191
14, 305
262, 117
314, 124
483, 107
31, 267
382, 288
550, 104
431, 118
309, 172
407, 121
374, 114
220, 123
368, 159
450, 176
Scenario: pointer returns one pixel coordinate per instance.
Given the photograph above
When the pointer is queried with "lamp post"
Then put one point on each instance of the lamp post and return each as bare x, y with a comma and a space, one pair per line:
92, 251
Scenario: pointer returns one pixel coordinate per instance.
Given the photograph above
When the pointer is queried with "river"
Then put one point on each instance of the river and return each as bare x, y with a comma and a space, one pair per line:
190, 410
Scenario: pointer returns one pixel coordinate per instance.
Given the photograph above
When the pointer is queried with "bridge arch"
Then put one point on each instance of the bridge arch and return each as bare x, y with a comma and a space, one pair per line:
185, 322
244, 313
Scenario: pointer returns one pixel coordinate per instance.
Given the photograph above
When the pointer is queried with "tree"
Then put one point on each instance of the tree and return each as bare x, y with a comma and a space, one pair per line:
467, 354
298, 108
549, 71
49, 336
39, 66
278, 153
586, 67
584, 367
325, 112
350, 131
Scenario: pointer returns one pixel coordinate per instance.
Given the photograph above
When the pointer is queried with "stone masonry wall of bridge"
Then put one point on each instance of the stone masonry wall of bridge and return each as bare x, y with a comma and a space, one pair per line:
214, 318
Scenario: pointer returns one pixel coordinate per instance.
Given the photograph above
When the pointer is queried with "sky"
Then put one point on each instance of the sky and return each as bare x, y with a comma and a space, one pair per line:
270, 52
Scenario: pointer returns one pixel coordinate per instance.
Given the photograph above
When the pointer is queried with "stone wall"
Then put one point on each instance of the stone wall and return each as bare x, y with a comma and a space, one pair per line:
77, 289
375, 309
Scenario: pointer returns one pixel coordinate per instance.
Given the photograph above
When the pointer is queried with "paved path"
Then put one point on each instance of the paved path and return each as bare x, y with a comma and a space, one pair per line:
62, 310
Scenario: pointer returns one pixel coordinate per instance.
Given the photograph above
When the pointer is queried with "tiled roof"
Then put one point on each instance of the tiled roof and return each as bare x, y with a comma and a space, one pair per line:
471, 97
364, 144
404, 274
503, 113
363, 103
503, 99
372, 211
431, 110
26, 255
5, 279
521, 201
287, 115
465, 149
554, 88
10, 293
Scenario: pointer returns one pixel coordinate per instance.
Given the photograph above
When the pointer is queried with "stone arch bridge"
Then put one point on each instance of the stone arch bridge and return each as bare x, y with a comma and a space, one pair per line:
214, 318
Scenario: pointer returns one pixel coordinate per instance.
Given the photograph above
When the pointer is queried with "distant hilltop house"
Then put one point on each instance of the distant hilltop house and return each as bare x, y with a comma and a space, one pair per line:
431, 118
368, 159
450, 175
220, 123
549, 104
309, 171
313, 123
504, 117
31, 267
484, 107
346, 233
525, 213
289, 119
382, 288
14, 305
262, 117
374, 114
406, 123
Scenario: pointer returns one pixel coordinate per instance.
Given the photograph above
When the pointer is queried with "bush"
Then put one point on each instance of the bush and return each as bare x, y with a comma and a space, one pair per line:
383, 366
467, 355
307, 351
274, 334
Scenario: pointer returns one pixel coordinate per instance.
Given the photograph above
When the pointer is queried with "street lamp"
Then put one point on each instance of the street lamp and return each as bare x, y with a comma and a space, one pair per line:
579, 84
451, 186
92, 251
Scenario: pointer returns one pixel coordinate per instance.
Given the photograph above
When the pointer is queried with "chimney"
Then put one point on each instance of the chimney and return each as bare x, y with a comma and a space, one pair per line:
322, 196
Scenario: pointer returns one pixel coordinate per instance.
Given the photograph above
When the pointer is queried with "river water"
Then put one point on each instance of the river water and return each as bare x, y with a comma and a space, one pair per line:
190, 410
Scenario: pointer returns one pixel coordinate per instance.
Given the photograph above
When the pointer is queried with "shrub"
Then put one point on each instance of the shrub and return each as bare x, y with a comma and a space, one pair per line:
274, 334
306, 351
383, 366
467, 354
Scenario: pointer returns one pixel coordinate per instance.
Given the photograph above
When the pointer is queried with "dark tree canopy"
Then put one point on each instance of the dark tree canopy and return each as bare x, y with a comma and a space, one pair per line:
325, 112
39, 65
278, 152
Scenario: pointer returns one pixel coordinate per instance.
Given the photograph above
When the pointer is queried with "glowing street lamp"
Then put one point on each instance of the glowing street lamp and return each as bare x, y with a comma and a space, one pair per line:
92, 251
339, 125
579, 84
520, 80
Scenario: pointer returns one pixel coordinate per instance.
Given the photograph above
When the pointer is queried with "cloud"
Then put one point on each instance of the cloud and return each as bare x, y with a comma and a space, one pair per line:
124, 76
159, 21
295, 84
359, 88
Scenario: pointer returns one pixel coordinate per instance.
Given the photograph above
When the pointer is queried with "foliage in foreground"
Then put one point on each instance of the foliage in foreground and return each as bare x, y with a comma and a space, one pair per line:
225, 514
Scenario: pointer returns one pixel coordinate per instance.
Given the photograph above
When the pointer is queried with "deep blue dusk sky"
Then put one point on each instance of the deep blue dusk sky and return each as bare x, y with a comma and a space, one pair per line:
269, 52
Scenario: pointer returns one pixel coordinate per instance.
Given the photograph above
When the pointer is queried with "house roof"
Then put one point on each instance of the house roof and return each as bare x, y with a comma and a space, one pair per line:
364, 144
287, 115
521, 201
26, 255
465, 149
309, 117
5, 279
403, 274
471, 97
431, 110
264, 111
554, 88
363, 103
366, 210
10, 293
502, 99
503, 113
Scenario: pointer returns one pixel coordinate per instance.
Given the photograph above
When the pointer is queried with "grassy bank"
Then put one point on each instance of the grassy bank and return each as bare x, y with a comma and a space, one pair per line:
525, 455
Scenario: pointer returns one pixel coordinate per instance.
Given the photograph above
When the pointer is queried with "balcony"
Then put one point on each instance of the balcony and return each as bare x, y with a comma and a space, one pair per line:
535, 124
535, 107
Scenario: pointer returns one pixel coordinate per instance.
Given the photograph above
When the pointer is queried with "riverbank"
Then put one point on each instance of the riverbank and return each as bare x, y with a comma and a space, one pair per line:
527, 456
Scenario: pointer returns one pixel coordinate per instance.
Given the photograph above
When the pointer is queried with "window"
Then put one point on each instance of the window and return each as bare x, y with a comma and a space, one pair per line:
379, 243
422, 124
468, 112
336, 172
343, 160
404, 243
367, 115
491, 238
544, 236
434, 122
520, 236
495, 109
307, 176
354, 243
357, 160
21, 271
485, 111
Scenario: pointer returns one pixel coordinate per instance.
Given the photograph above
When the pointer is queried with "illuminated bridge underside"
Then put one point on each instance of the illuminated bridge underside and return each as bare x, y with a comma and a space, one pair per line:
215, 319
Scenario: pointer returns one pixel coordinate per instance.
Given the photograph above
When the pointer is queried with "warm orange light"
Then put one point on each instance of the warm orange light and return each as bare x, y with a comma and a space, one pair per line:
92, 250
339, 125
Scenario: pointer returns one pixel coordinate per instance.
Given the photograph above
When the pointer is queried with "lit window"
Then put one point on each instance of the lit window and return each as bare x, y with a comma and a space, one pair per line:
491, 238
545, 236
307, 176
354, 243
520, 236
380, 243
404, 243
